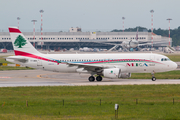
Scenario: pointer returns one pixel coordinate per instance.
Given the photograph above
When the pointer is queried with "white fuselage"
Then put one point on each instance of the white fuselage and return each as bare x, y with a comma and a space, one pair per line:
133, 63
130, 43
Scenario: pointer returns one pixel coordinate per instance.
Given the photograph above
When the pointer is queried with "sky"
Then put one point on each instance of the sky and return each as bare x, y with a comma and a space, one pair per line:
90, 15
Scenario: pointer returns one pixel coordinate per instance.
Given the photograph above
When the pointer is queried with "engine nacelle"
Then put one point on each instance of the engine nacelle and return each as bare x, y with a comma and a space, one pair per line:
125, 75
133, 43
111, 72
115, 73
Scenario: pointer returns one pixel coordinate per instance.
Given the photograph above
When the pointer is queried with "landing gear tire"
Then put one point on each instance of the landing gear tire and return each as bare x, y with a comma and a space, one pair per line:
99, 78
153, 79
91, 79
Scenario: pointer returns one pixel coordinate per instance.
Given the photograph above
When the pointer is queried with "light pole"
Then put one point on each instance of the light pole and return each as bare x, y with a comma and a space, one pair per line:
152, 11
169, 19
123, 18
34, 31
41, 11
18, 18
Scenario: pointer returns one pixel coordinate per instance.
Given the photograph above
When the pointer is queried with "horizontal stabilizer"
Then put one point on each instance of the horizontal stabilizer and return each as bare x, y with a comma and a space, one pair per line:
17, 59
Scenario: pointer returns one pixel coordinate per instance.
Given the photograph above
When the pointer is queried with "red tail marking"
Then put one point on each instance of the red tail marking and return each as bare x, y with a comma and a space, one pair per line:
14, 30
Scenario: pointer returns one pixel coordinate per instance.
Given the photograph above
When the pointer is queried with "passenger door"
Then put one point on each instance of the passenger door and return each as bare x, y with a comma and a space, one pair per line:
39, 62
152, 57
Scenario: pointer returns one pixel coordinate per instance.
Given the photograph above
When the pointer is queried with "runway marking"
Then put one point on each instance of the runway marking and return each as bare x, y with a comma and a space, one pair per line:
5, 77
41, 75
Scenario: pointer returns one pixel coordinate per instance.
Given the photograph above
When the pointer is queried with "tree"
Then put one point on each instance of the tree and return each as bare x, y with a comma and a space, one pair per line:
20, 41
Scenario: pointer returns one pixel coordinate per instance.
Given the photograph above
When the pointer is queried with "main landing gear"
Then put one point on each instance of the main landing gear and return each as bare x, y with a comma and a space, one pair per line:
92, 78
99, 78
153, 77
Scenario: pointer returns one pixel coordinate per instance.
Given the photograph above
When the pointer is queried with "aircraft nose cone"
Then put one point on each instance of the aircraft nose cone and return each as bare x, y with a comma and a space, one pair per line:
174, 65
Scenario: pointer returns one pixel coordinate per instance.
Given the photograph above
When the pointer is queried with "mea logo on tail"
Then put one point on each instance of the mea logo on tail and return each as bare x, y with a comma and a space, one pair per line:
20, 41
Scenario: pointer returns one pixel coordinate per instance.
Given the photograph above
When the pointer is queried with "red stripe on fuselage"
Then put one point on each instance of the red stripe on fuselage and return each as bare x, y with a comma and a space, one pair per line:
30, 55
14, 30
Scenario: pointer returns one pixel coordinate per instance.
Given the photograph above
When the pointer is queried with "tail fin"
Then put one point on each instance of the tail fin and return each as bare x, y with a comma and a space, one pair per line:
137, 35
20, 44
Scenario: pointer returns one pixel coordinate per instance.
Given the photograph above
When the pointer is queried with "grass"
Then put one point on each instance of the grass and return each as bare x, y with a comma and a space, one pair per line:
163, 75
3, 68
2, 60
175, 58
154, 102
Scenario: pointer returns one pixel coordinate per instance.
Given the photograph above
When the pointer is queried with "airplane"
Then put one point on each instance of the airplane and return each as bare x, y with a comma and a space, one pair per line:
131, 43
127, 44
113, 66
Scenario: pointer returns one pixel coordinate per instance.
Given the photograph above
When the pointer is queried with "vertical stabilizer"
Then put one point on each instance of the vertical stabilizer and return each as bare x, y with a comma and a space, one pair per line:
137, 35
20, 44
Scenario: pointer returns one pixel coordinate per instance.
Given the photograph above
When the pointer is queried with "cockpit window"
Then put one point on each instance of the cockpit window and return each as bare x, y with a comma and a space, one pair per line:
165, 59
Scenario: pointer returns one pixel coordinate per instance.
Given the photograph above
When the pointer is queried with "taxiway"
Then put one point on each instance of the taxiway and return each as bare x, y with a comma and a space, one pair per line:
17, 78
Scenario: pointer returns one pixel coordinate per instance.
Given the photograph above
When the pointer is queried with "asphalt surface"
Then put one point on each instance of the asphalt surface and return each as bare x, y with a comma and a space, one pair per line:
17, 78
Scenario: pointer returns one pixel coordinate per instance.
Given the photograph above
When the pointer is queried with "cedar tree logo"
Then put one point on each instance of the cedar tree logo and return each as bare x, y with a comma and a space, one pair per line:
20, 41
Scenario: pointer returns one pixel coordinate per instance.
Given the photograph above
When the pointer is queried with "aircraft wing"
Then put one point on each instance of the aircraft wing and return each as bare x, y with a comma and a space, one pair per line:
149, 43
113, 44
144, 44
89, 67
17, 58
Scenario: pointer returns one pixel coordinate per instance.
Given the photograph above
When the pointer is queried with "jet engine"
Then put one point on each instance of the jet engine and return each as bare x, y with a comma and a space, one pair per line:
111, 72
130, 44
115, 73
125, 75
133, 43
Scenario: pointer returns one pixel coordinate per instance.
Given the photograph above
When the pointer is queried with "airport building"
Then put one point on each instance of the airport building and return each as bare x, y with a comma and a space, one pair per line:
76, 39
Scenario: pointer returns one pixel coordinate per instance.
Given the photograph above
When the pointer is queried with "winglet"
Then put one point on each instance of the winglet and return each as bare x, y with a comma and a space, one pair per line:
14, 30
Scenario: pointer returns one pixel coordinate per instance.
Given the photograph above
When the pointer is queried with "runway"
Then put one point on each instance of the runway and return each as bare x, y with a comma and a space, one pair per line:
17, 78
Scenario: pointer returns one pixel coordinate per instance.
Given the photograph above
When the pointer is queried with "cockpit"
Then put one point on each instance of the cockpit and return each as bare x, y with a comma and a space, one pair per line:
165, 59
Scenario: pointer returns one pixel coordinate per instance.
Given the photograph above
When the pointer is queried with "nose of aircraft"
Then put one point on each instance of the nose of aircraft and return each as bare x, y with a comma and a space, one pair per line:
174, 66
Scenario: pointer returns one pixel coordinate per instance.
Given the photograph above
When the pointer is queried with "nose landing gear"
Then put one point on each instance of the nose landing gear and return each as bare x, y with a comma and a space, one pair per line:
153, 77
